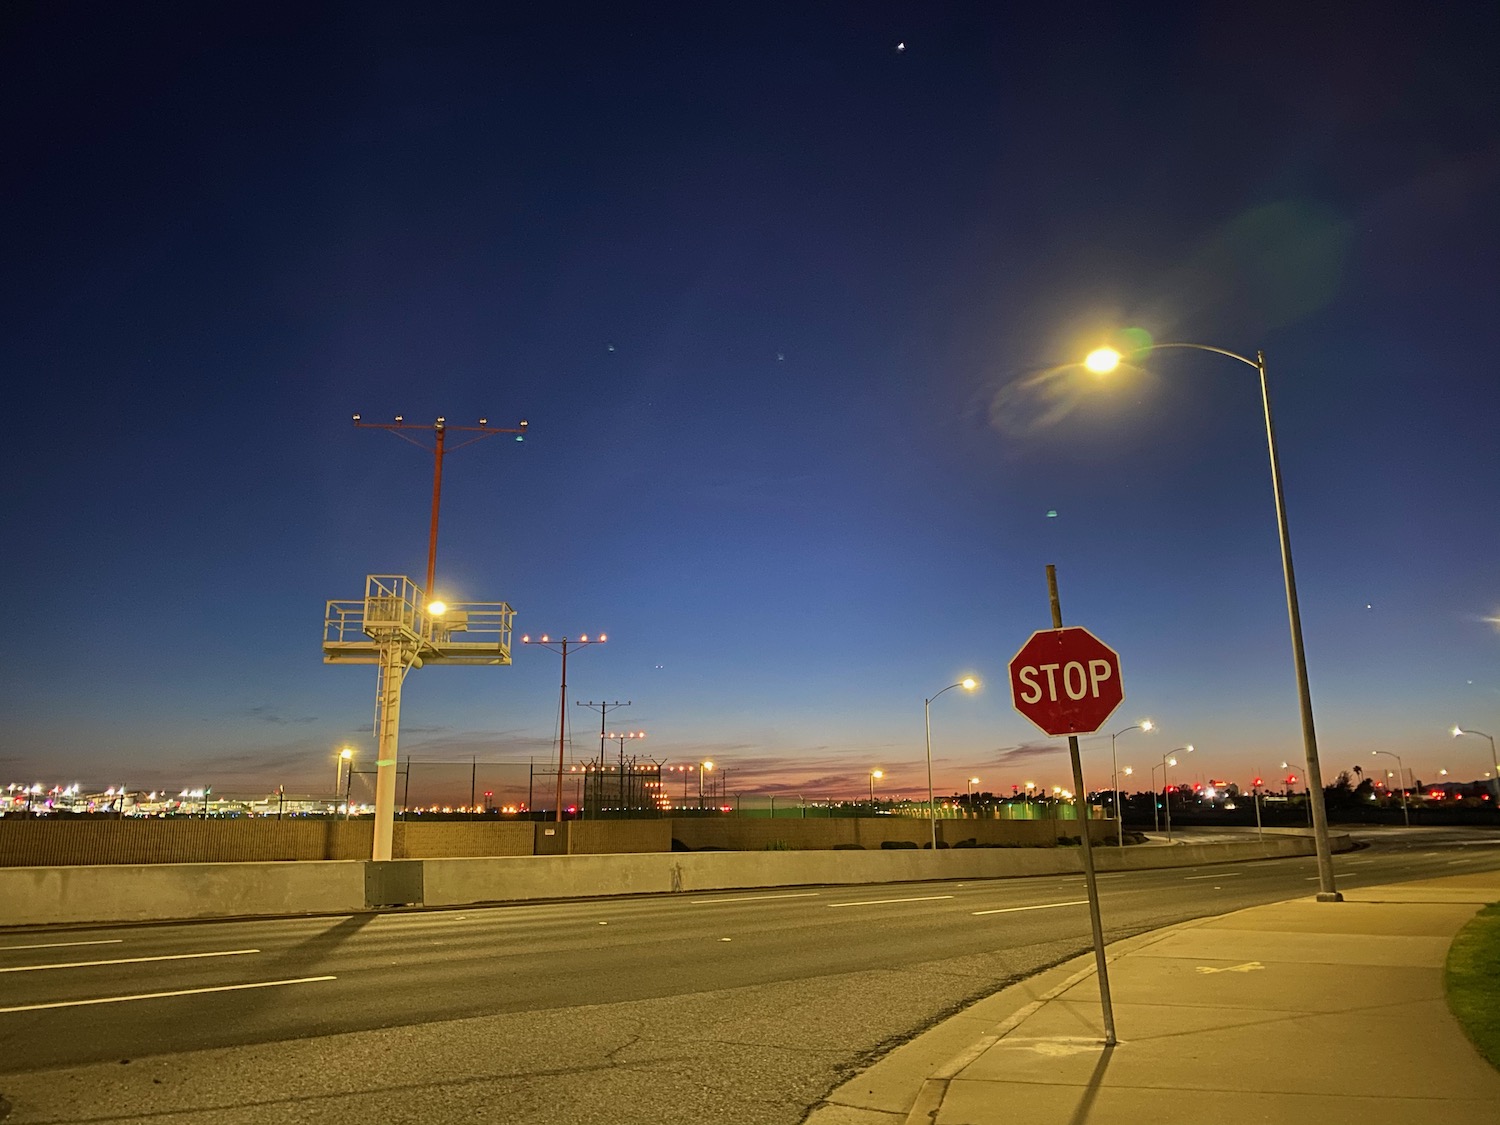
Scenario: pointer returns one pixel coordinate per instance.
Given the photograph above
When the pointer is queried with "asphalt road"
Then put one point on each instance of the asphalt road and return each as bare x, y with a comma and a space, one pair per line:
726, 1007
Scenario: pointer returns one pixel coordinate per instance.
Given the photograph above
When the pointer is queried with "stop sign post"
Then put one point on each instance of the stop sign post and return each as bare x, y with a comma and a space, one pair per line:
1066, 681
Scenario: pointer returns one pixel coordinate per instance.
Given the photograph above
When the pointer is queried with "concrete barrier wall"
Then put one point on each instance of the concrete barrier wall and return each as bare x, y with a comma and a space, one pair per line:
459, 882
127, 893
116, 893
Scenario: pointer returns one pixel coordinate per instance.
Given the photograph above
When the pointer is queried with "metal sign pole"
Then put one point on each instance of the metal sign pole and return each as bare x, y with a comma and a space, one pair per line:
1081, 805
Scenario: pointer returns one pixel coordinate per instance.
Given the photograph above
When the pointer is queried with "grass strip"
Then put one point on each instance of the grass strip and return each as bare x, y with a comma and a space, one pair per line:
1471, 980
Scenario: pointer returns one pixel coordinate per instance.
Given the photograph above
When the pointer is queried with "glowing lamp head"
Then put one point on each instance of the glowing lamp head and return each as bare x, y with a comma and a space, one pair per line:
437, 608
1101, 361
708, 765
346, 753
602, 637
970, 683
1147, 724
1457, 731
877, 773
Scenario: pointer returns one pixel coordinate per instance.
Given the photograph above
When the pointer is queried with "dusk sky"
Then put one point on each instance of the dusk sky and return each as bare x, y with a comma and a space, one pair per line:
792, 298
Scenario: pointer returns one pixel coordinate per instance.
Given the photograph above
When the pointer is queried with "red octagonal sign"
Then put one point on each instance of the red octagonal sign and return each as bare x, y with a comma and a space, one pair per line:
1066, 681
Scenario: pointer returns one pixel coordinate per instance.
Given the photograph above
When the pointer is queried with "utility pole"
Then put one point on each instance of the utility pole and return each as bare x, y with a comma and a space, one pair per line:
439, 450
561, 646
604, 709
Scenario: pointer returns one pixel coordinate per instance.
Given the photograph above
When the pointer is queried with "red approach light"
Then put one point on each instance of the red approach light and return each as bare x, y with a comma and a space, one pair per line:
1257, 781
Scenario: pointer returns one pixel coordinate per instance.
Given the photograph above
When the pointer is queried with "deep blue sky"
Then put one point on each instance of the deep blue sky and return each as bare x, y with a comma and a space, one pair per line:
774, 296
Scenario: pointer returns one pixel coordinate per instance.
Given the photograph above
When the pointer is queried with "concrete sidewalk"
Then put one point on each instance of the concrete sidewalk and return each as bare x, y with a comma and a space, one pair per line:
1301, 1012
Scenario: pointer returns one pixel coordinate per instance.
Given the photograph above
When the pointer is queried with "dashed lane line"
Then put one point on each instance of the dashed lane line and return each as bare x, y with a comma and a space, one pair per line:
161, 995
61, 944
1039, 906
126, 960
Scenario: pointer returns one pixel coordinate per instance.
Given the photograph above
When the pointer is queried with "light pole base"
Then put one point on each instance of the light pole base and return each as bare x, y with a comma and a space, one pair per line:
1330, 896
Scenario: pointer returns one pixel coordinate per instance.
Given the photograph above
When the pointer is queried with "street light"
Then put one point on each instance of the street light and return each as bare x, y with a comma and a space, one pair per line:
1166, 794
969, 793
709, 766
1400, 780
1101, 361
969, 683
874, 774
1458, 731
344, 760
1146, 725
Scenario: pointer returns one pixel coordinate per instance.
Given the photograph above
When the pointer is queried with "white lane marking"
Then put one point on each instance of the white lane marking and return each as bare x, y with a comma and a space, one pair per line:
1247, 967
60, 944
752, 898
125, 960
1225, 875
884, 901
1039, 906
159, 995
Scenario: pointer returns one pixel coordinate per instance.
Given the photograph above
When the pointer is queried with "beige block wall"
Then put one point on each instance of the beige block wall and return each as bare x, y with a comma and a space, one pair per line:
735, 834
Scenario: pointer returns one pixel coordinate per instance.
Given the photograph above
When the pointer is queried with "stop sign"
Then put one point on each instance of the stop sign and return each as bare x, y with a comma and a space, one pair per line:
1066, 681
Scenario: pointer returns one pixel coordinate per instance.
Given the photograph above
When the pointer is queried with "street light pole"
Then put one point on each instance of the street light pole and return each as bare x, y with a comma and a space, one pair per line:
1114, 776
873, 775
344, 758
1104, 360
968, 684
1457, 731
1400, 780
1166, 790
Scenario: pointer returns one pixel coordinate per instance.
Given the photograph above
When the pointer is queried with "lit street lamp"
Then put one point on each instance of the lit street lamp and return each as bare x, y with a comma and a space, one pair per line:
1146, 725
340, 761
968, 684
1458, 731
874, 774
1166, 791
709, 766
346, 759
1400, 780
1101, 361
969, 792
